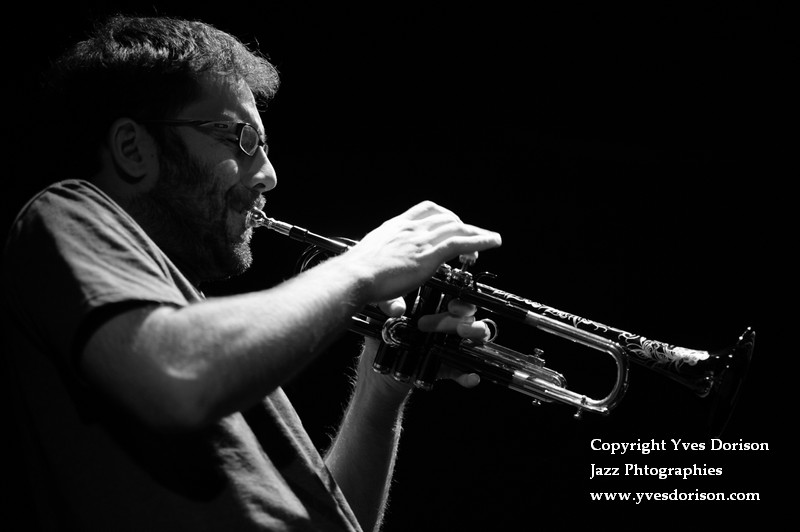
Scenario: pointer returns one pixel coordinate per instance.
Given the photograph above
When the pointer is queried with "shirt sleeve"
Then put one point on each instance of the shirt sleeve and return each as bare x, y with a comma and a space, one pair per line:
72, 255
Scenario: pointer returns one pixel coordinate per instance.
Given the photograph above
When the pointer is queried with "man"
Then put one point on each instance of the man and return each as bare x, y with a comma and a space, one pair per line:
142, 405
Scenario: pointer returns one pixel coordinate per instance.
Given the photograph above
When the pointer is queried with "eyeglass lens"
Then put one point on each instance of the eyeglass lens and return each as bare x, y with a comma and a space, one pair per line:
248, 139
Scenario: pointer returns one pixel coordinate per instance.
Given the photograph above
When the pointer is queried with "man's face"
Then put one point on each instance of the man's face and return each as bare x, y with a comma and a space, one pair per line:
207, 185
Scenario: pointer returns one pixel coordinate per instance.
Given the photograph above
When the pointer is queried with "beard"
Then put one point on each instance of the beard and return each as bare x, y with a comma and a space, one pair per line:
187, 214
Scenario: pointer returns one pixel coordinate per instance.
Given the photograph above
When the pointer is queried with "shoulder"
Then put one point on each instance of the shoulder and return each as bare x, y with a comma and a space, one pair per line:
74, 226
71, 197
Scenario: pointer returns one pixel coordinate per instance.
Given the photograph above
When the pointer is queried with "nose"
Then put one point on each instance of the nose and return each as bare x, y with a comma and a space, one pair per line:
261, 175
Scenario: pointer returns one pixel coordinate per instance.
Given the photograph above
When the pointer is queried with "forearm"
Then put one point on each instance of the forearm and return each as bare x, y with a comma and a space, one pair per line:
219, 356
362, 456
260, 342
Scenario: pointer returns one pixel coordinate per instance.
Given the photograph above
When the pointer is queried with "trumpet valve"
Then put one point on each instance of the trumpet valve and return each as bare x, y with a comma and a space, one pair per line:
460, 278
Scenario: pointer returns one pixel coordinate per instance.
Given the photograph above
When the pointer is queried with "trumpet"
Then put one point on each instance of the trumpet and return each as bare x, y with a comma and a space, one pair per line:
415, 357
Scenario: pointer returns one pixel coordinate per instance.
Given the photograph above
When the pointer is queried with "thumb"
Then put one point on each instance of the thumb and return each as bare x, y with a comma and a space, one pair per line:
394, 308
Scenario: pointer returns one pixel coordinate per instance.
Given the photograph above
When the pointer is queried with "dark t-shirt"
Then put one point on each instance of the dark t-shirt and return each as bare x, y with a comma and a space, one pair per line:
73, 259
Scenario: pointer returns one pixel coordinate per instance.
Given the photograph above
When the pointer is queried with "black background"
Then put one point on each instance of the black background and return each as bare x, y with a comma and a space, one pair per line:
633, 159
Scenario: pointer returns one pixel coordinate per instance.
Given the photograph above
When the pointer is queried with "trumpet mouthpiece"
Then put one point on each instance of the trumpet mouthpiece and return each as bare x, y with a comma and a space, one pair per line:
255, 218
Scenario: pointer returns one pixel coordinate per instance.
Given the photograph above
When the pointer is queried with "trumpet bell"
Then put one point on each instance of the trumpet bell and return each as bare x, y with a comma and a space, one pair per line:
717, 380
725, 378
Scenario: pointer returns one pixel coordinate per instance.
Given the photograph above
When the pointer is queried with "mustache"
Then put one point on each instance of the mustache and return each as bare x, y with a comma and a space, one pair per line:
260, 202
243, 199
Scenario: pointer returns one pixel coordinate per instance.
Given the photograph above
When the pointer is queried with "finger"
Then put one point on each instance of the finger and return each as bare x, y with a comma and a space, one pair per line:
461, 308
468, 258
464, 326
476, 330
443, 322
471, 241
459, 238
393, 308
467, 380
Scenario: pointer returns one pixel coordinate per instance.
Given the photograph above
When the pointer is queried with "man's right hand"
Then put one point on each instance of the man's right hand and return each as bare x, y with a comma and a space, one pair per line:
405, 251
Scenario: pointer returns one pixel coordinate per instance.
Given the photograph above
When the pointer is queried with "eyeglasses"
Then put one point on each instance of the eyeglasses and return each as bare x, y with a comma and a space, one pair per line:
247, 135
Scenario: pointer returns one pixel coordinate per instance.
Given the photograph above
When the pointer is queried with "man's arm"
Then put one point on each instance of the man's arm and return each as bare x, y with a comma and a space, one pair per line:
363, 454
182, 368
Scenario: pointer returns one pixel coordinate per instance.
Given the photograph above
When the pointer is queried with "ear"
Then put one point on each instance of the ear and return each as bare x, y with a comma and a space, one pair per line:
133, 152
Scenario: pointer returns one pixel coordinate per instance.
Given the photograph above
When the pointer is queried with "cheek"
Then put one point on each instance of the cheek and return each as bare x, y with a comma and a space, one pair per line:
226, 173
225, 190
222, 185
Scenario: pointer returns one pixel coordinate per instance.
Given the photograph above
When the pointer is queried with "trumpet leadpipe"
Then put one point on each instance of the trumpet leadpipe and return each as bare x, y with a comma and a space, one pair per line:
256, 218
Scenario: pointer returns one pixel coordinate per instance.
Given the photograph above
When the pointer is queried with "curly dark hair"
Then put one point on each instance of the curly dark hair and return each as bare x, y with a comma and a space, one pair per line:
142, 68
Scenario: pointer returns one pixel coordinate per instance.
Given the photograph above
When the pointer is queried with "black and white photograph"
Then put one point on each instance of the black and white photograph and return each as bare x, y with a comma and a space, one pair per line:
398, 267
